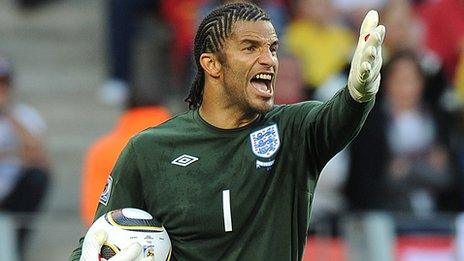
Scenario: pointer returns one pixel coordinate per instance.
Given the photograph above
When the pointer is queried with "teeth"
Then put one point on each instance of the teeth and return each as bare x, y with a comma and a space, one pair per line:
264, 76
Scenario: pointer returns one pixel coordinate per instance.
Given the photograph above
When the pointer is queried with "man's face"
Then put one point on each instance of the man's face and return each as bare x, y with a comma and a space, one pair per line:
250, 66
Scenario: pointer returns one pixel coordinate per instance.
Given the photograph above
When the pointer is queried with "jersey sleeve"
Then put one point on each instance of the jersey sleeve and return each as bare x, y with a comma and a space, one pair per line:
326, 128
123, 189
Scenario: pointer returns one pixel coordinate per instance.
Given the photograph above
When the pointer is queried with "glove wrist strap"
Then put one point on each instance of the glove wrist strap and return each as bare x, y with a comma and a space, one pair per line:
358, 96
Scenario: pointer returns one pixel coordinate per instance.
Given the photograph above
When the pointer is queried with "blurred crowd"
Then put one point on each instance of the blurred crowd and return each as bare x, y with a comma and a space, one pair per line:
24, 163
409, 157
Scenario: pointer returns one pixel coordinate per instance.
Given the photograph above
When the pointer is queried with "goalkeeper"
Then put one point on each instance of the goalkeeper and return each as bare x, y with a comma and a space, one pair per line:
234, 177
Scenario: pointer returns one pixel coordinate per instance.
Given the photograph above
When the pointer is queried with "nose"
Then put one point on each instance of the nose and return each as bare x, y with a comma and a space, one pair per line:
268, 58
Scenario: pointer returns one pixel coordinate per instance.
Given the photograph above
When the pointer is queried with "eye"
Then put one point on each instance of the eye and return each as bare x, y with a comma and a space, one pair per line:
250, 48
273, 49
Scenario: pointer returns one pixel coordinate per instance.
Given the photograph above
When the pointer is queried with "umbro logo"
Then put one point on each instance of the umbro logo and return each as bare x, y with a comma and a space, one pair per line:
184, 160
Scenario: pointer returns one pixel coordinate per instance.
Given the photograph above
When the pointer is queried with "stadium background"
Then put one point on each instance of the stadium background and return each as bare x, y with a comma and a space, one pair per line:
59, 53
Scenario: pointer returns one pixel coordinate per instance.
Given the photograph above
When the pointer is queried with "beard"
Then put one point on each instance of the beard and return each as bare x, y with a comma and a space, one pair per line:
236, 90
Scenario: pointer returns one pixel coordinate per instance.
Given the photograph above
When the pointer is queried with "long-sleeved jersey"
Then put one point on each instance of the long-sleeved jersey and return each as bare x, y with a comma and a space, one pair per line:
239, 194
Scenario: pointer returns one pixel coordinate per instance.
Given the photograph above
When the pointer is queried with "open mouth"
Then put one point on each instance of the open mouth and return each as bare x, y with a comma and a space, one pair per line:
262, 82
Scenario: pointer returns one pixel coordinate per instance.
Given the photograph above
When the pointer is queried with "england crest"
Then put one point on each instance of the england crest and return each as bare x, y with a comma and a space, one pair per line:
265, 142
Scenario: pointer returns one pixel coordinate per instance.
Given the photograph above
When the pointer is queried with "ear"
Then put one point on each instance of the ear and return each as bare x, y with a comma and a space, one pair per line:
210, 63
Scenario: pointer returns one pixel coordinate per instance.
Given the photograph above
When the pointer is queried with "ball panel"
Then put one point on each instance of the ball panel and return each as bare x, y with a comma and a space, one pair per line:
108, 251
117, 218
136, 213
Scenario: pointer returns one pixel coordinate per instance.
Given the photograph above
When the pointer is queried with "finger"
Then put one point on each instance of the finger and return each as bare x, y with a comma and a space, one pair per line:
374, 39
381, 31
376, 66
92, 245
128, 254
373, 74
365, 71
371, 20
100, 236
376, 36
369, 54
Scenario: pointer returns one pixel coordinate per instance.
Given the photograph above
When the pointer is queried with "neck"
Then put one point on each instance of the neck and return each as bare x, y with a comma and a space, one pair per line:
218, 110
224, 118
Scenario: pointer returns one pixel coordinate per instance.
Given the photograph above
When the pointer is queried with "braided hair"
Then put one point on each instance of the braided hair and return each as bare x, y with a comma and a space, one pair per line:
215, 28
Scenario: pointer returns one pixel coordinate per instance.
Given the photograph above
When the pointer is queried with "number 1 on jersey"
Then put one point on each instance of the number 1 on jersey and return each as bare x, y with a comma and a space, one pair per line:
226, 210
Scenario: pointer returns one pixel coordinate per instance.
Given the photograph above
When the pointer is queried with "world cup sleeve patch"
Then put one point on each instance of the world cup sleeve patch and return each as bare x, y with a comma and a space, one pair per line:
105, 196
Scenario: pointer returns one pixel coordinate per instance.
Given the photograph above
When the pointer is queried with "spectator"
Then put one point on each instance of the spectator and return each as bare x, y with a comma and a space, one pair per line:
102, 155
181, 16
410, 166
404, 29
444, 31
123, 17
329, 200
24, 166
323, 47
290, 76
406, 32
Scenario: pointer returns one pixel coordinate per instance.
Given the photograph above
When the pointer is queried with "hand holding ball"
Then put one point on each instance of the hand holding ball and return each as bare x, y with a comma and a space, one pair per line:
124, 235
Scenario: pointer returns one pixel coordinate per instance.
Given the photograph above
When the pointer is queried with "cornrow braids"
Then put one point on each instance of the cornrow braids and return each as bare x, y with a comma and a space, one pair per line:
215, 28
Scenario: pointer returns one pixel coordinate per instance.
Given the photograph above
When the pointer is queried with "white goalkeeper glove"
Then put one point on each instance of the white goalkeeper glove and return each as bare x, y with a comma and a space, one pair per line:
93, 243
364, 77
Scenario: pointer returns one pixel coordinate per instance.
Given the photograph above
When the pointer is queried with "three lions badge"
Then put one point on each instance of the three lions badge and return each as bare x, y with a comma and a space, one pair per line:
265, 143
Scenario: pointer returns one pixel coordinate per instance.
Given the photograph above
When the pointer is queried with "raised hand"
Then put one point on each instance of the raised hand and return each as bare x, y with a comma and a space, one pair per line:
364, 77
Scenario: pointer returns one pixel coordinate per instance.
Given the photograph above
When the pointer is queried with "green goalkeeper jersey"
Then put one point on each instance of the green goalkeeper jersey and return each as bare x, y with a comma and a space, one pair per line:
239, 194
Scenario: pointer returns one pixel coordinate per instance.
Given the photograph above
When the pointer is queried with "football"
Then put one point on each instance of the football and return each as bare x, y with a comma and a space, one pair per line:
129, 225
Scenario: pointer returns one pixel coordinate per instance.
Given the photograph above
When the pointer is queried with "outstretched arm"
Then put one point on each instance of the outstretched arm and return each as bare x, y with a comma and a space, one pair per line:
332, 125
